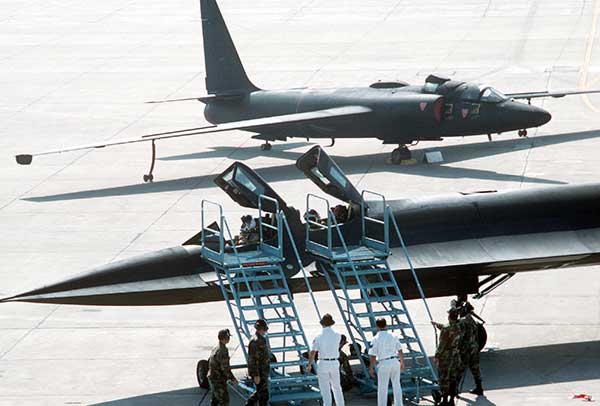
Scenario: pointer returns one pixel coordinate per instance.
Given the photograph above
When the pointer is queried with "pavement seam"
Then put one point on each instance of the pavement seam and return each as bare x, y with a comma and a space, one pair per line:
29, 332
178, 199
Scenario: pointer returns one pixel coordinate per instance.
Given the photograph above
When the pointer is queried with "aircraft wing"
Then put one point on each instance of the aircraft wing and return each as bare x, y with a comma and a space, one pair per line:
556, 94
256, 125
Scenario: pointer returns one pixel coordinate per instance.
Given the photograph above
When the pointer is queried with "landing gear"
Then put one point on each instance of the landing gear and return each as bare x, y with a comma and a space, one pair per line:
522, 133
149, 177
266, 146
402, 153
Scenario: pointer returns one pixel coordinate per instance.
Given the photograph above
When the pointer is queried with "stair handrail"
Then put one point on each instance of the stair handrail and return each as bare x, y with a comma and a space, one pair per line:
390, 215
299, 261
365, 218
262, 224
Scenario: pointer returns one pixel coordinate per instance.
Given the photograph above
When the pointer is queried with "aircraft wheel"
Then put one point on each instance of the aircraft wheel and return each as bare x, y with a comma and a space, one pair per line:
481, 336
401, 154
202, 373
266, 146
522, 133
148, 178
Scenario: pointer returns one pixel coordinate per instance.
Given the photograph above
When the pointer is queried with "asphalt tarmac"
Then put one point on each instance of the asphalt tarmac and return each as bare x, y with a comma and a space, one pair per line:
72, 72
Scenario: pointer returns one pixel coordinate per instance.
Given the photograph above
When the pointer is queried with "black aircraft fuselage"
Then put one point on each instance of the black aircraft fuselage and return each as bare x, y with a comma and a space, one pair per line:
456, 242
401, 114
393, 112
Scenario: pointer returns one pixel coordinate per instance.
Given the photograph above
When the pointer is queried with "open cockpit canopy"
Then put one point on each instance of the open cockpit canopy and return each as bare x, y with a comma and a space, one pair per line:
324, 172
245, 186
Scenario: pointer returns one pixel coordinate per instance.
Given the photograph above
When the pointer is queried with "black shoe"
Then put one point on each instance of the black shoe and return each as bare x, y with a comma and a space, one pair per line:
477, 391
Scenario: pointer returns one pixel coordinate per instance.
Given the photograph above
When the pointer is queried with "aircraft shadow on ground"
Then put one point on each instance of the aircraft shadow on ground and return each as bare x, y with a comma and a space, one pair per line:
501, 369
371, 163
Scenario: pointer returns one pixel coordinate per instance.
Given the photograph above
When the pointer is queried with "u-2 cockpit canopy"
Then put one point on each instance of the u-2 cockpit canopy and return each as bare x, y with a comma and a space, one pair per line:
471, 92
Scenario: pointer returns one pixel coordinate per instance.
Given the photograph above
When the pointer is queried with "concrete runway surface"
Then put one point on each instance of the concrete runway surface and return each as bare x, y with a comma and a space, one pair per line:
73, 72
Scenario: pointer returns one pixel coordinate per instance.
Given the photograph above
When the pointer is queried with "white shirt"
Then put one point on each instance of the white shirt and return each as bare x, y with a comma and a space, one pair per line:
327, 344
384, 346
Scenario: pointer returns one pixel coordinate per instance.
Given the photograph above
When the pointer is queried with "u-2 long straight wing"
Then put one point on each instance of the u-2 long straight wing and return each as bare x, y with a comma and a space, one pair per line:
256, 124
536, 95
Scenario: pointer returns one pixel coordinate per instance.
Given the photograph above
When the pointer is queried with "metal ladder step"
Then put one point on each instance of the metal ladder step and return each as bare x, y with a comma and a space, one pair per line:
344, 264
264, 306
394, 326
282, 364
281, 334
382, 313
372, 285
257, 278
274, 320
378, 299
263, 292
293, 380
292, 348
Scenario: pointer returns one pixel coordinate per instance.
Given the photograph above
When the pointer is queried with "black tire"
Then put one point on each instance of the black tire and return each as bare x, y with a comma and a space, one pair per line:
396, 156
202, 374
145, 178
481, 336
405, 153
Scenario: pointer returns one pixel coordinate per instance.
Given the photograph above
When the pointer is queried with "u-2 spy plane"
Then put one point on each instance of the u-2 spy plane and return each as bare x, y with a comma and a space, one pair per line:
393, 112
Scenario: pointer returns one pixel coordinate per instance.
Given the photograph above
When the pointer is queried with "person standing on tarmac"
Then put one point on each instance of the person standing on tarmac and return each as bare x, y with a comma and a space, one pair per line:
448, 358
346, 374
327, 345
469, 346
220, 371
387, 351
259, 365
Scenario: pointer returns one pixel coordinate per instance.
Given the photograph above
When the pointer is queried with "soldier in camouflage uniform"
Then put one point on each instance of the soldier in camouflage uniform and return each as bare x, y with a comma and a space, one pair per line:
448, 357
346, 374
469, 345
219, 371
259, 365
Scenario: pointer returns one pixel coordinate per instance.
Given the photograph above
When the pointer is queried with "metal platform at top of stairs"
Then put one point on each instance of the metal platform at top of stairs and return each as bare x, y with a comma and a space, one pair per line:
365, 289
254, 286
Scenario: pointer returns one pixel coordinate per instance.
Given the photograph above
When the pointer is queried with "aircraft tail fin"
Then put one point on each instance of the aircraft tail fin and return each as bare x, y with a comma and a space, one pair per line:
225, 73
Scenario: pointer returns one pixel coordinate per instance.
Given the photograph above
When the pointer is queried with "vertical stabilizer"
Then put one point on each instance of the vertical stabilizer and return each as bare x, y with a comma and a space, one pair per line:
224, 70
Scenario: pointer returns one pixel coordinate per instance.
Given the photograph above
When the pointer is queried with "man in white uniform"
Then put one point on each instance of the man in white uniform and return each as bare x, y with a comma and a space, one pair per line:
327, 344
387, 350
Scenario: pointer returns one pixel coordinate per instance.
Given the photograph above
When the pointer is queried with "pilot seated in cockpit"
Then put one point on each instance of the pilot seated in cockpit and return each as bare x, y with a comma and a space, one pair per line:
248, 231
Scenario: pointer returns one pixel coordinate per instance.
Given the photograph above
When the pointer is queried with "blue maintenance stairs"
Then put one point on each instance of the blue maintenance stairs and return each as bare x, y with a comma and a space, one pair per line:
365, 289
254, 286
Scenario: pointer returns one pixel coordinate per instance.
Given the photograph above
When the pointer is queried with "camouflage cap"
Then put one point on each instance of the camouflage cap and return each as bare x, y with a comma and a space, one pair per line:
224, 334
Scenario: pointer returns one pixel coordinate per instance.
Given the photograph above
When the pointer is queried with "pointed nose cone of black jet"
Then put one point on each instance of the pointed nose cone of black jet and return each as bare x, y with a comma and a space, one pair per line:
540, 116
166, 277
520, 115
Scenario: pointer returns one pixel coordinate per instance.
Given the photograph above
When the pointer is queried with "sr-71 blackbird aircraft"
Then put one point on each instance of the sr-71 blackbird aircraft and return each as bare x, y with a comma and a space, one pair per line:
393, 112
459, 243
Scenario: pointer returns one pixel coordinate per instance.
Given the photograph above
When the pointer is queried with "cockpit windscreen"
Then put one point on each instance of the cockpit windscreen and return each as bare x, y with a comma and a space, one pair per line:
491, 95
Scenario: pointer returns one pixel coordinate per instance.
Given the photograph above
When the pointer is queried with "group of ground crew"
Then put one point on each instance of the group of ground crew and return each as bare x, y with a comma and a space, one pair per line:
334, 373
259, 368
458, 349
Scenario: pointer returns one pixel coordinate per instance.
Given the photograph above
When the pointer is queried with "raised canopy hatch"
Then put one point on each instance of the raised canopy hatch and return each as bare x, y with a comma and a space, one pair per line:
325, 173
245, 186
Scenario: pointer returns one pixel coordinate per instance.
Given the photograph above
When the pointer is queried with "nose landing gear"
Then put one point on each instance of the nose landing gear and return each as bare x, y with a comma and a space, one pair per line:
402, 153
522, 133
266, 146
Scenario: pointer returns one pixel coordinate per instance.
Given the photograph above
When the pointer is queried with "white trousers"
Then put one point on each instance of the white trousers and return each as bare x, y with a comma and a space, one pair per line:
388, 370
328, 374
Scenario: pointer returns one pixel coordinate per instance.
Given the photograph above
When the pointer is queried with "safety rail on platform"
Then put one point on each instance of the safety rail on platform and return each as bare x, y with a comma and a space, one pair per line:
369, 289
255, 286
